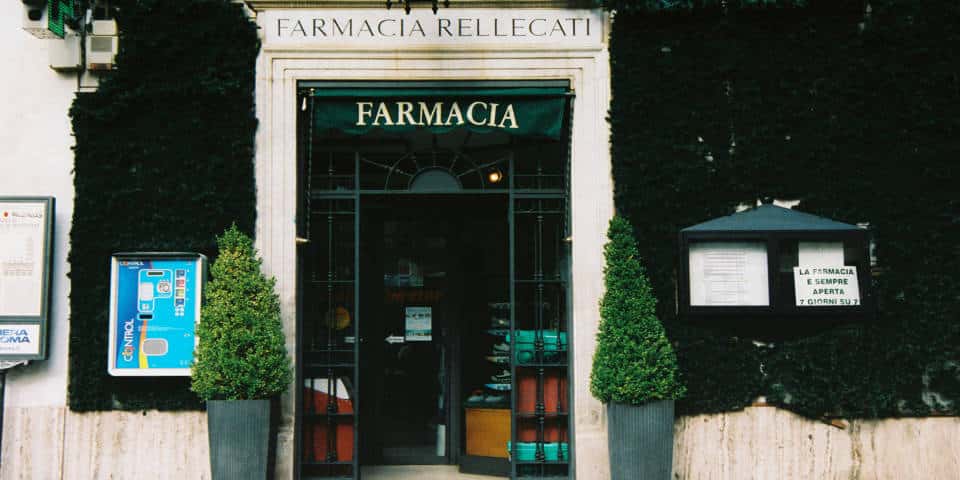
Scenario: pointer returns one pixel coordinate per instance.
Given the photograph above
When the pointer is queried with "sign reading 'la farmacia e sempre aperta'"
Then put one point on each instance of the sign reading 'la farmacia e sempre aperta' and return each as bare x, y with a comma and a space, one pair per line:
826, 286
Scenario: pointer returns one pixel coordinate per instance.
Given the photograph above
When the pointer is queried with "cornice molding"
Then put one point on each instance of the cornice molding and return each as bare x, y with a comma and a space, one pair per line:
260, 5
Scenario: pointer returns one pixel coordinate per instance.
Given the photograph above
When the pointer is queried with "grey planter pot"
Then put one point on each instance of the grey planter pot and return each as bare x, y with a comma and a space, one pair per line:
640, 440
239, 435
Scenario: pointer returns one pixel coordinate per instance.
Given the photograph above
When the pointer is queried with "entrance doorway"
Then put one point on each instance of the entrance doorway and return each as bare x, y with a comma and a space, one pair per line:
430, 267
434, 269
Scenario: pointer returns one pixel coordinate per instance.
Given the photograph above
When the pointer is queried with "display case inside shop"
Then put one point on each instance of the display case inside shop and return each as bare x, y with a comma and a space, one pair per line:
487, 403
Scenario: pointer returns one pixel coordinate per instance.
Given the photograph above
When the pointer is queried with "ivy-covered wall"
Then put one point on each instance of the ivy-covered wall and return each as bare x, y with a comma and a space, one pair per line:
855, 112
661, 6
164, 162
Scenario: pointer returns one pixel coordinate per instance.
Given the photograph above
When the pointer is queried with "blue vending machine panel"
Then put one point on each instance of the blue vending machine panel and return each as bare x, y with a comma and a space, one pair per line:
154, 308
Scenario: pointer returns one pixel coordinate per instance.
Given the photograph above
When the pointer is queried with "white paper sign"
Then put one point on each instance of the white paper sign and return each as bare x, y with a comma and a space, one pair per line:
728, 274
818, 254
454, 28
22, 235
835, 286
19, 339
419, 324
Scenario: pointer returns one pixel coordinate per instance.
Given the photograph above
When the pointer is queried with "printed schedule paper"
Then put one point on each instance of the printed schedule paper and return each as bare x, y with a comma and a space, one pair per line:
419, 324
728, 274
22, 235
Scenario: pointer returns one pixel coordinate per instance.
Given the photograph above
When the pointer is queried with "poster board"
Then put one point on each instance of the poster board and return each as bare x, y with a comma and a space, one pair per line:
154, 309
418, 324
26, 231
728, 274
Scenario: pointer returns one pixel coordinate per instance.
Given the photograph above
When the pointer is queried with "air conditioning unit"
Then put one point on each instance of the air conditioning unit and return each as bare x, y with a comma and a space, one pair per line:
64, 54
102, 45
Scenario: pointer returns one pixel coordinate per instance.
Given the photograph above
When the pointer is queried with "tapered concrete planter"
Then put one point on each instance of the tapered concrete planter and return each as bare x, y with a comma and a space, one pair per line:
640, 439
239, 434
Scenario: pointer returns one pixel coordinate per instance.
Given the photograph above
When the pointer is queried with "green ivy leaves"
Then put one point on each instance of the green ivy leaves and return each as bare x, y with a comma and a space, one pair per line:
163, 162
634, 362
854, 115
241, 355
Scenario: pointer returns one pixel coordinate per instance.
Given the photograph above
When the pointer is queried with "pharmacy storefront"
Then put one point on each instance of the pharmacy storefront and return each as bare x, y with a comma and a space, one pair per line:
433, 192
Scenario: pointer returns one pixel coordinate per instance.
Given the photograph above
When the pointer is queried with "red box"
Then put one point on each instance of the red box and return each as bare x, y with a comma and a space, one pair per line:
318, 393
317, 440
554, 392
554, 430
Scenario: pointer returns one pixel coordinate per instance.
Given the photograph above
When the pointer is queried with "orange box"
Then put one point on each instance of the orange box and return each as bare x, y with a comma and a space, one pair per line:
488, 431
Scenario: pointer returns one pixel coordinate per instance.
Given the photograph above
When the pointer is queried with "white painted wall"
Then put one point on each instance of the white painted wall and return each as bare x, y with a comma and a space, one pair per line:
42, 439
36, 159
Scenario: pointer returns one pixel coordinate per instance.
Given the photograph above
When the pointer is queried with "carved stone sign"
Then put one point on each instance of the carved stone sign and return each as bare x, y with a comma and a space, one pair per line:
447, 28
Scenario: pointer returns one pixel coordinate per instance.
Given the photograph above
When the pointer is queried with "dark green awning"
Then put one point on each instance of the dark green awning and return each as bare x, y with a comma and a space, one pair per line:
516, 111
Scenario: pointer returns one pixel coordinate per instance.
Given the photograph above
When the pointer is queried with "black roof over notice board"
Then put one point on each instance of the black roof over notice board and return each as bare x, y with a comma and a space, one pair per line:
770, 218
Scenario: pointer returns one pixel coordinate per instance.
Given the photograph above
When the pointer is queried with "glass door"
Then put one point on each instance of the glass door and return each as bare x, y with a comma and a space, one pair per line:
406, 270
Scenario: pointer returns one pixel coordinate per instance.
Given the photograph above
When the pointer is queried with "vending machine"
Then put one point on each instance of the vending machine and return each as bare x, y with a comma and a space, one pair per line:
154, 309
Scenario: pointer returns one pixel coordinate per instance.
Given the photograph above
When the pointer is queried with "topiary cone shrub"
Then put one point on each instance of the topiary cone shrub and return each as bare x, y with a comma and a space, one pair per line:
241, 354
634, 362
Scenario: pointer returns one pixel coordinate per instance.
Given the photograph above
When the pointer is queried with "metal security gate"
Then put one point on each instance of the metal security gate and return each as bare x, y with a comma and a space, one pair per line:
539, 336
336, 171
329, 316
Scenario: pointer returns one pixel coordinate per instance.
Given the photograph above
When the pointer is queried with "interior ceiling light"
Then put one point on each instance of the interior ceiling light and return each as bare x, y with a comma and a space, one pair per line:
495, 176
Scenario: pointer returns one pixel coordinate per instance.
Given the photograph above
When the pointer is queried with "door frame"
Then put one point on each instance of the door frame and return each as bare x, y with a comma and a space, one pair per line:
281, 67
355, 196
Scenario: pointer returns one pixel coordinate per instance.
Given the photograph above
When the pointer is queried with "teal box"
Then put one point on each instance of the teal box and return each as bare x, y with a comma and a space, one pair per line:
552, 452
526, 340
526, 451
